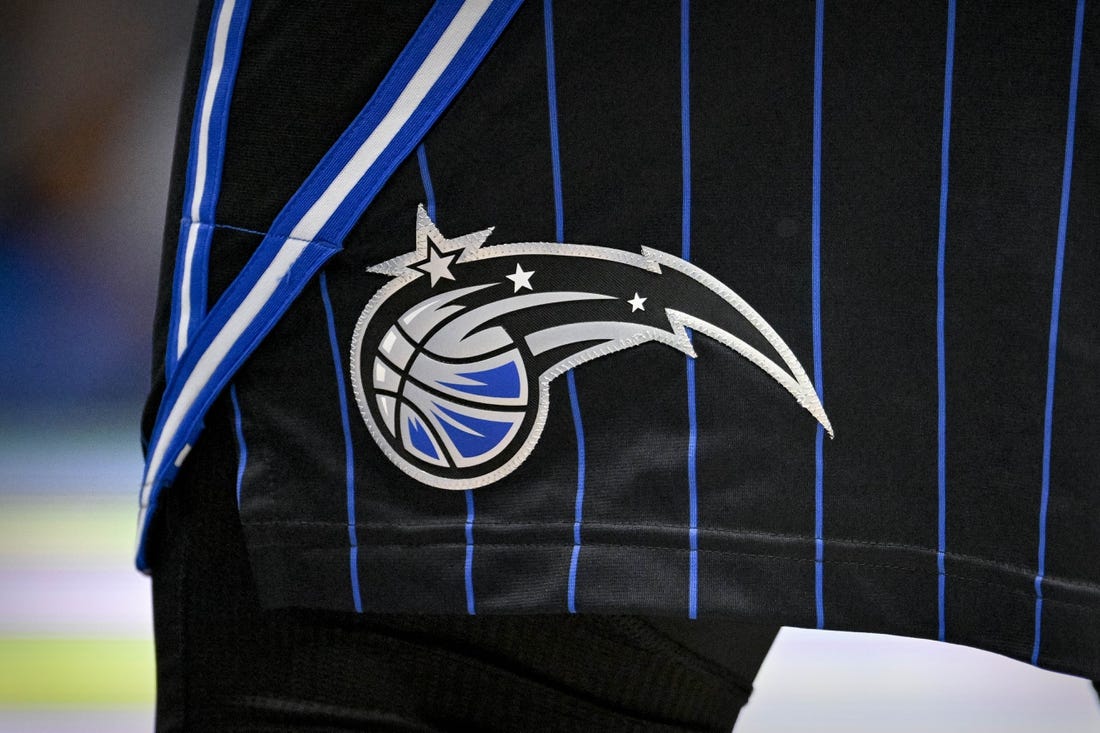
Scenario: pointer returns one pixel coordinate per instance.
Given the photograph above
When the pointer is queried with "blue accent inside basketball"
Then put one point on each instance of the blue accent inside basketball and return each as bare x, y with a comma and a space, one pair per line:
487, 433
420, 440
501, 381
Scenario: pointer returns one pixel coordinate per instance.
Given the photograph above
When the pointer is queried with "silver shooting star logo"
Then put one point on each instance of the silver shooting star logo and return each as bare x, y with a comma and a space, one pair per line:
452, 359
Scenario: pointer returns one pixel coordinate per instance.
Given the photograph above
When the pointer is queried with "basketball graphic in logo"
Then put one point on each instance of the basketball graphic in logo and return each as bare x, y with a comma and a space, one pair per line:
449, 409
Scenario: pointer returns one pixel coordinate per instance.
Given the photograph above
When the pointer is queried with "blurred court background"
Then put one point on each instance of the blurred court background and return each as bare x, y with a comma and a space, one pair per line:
91, 91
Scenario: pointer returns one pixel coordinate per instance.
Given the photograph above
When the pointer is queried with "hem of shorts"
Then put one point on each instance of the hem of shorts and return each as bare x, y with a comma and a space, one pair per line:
749, 577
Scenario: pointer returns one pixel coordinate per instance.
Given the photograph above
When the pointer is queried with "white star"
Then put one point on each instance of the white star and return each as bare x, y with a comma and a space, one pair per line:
521, 279
637, 303
437, 265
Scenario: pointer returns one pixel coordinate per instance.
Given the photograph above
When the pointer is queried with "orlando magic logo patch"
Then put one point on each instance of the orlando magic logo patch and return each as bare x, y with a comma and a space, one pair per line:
452, 360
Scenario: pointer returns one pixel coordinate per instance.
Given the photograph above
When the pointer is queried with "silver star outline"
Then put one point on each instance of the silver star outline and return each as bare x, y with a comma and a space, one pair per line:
406, 265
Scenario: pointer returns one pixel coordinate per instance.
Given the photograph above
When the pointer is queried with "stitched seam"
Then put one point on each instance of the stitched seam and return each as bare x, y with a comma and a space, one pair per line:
187, 221
371, 527
808, 560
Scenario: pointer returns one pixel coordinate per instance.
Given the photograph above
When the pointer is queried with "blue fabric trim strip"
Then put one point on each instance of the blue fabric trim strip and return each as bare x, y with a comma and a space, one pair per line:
301, 259
216, 129
1055, 308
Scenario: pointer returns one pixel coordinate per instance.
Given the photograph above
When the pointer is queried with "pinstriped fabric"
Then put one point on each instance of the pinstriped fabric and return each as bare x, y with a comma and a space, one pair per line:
894, 174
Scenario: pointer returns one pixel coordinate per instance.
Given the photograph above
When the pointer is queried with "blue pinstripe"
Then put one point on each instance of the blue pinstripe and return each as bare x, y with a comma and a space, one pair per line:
426, 179
693, 507
1055, 308
552, 102
242, 447
941, 372
819, 457
349, 456
578, 506
468, 566
685, 252
559, 231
